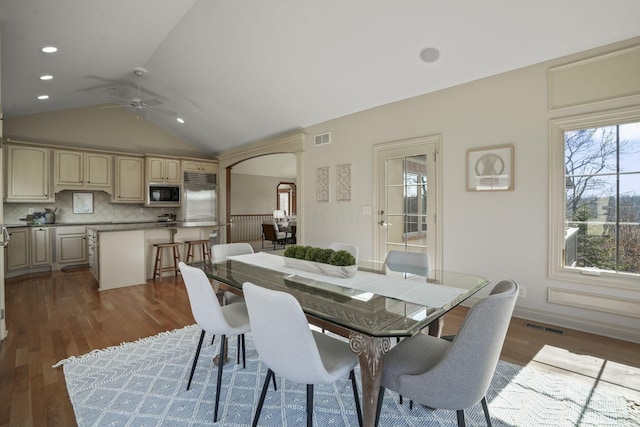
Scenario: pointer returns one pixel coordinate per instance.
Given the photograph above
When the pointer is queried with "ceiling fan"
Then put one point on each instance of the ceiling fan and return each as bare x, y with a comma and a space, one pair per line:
138, 104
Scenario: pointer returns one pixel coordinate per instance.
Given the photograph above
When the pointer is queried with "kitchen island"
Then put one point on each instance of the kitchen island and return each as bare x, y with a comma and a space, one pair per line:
123, 254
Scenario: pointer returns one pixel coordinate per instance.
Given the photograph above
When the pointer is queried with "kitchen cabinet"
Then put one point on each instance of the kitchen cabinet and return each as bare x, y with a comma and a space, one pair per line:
129, 180
163, 169
82, 170
27, 174
29, 247
201, 166
40, 246
17, 251
71, 244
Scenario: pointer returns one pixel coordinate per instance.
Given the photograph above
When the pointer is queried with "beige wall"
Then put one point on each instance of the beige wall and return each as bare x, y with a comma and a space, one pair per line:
498, 234
254, 194
115, 129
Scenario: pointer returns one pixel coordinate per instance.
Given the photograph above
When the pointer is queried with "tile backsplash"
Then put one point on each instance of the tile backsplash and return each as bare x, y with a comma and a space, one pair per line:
103, 210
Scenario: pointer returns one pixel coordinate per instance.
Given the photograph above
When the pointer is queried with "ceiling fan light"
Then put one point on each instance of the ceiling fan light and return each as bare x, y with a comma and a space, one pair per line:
49, 49
46, 77
180, 120
42, 97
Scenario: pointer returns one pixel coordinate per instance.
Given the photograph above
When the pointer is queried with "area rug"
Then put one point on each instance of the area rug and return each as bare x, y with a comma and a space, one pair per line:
143, 383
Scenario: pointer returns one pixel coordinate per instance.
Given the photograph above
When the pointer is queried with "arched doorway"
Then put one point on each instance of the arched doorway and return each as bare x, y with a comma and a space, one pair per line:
292, 145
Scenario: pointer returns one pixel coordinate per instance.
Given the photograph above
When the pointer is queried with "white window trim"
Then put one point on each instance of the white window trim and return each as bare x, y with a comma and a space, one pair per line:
557, 128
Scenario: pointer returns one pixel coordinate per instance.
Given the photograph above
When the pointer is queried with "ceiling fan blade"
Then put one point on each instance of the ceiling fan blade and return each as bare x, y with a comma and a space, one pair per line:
113, 106
127, 101
152, 102
163, 111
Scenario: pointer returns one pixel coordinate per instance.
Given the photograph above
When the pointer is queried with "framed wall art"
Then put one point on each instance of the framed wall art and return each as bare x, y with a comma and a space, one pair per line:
490, 168
82, 203
322, 184
343, 183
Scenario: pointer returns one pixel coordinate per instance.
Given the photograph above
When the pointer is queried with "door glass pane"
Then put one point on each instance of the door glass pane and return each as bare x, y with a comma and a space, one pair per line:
406, 193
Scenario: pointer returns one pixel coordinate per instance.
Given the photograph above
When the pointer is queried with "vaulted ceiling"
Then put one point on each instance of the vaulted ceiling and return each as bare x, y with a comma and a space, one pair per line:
241, 71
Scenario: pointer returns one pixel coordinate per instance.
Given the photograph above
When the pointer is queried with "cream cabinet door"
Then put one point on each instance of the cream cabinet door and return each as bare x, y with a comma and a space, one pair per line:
129, 180
173, 171
71, 245
40, 246
98, 170
17, 251
69, 168
27, 174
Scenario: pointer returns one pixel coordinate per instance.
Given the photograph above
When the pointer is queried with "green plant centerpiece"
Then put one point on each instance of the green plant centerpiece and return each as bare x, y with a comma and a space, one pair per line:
320, 260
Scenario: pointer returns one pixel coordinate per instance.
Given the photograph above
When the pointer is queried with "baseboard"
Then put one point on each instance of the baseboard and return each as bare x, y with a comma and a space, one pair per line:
591, 326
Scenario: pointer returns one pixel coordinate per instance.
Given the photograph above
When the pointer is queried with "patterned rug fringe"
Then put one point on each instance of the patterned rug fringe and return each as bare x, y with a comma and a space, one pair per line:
123, 346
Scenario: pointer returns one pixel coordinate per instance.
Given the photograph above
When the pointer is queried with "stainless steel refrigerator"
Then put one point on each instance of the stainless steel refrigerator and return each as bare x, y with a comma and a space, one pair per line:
199, 203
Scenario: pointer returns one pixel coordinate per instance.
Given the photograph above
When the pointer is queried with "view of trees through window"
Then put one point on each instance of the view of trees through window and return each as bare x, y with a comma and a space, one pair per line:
602, 183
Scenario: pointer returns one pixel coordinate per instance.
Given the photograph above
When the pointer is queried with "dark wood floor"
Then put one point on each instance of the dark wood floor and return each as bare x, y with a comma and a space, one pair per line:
55, 316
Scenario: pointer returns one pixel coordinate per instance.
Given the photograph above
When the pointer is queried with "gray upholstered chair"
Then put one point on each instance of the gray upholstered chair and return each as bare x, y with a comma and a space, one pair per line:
231, 319
220, 253
408, 262
352, 249
289, 348
453, 375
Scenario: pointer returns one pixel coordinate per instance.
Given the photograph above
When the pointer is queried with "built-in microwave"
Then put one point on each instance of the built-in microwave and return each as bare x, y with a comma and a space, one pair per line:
163, 194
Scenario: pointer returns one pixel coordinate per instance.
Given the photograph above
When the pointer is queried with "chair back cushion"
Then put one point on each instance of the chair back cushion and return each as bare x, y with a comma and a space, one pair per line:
462, 377
222, 251
203, 300
282, 336
408, 262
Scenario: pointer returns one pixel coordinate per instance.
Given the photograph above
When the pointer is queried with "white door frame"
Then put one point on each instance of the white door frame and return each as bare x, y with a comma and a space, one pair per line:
380, 151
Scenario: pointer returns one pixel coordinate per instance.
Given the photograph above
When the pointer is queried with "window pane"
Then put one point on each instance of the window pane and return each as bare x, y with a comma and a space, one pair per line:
591, 151
630, 147
603, 198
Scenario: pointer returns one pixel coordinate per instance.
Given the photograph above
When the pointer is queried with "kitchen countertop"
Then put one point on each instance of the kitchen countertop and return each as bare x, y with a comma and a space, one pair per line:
125, 225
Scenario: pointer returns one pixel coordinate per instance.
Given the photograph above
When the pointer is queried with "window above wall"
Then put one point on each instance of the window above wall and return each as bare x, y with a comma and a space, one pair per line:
595, 198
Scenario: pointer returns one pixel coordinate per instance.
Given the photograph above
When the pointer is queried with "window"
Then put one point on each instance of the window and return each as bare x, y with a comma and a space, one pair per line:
595, 189
286, 197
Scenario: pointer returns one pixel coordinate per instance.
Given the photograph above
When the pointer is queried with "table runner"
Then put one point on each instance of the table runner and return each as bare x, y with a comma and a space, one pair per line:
413, 291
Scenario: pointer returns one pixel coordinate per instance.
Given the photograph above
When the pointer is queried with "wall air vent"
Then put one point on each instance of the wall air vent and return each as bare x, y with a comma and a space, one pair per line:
323, 138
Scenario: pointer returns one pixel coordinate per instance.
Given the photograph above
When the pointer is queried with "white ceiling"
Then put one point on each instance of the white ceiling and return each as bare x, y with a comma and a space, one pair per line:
240, 71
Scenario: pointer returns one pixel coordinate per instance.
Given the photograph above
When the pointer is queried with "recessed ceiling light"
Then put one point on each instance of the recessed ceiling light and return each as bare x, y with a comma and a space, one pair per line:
180, 120
430, 54
43, 96
49, 49
46, 77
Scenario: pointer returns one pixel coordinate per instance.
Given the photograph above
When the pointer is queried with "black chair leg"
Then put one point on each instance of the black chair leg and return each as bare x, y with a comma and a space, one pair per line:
352, 377
262, 396
485, 408
195, 358
244, 354
379, 405
273, 377
223, 345
309, 405
238, 351
460, 414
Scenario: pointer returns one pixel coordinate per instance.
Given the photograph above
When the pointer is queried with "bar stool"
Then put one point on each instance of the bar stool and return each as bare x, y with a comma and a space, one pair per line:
204, 249
158, 269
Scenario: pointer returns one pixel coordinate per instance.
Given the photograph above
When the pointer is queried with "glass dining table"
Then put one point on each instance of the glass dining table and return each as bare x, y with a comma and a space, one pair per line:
368, 309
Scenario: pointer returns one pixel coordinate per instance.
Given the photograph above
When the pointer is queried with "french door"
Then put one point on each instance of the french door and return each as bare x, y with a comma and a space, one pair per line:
408, 198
